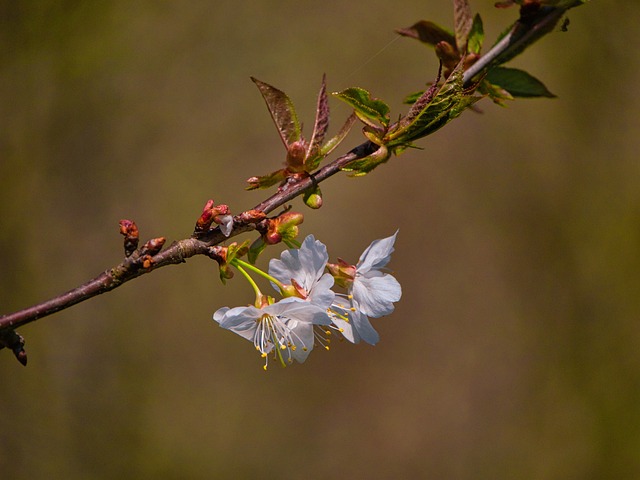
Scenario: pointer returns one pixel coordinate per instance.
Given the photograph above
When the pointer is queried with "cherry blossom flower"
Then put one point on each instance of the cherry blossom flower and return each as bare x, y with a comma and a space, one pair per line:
303, 268
371, 291
284, 328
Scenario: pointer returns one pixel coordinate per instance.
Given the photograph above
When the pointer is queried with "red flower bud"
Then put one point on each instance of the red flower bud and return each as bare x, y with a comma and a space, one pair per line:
129, 229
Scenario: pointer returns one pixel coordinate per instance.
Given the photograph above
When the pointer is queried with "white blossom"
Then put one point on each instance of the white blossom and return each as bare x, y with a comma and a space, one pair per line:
304, 268
284, 328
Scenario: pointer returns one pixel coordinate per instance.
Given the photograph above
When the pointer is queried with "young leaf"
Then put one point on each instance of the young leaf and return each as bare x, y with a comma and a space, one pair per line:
413, 97
496, 93
334, 141
427, 32
476, 36
372, 111
282, 111
517, 82
266, 181
462, 20
322, 120
312, 162
432, 111
365, 165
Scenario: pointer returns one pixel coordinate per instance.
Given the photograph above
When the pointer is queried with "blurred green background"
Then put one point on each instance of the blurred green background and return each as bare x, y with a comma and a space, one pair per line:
514, 352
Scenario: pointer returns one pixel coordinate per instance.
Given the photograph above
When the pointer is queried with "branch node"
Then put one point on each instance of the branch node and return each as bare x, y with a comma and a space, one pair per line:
11, 339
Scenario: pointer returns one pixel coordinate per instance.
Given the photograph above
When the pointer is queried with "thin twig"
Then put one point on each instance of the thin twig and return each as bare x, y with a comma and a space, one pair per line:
521, 35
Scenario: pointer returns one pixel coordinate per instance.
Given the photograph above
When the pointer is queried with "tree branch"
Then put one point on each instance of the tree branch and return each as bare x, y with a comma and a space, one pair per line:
176, 253
524, 32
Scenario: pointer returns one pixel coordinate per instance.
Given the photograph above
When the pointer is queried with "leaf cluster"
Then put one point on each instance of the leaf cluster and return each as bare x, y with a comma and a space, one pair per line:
303, 156
497, 82
430, 111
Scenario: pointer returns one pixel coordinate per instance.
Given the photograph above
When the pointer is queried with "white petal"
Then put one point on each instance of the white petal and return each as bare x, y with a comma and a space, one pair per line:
219, 314
321, 294
241, 320
227, 224
363, 326
375, 294
377, 255
297, 309
302, 334
305, 265
342, 306
346, 329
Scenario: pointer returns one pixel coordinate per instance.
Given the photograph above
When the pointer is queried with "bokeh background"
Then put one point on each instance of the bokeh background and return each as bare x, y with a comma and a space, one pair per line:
515, 351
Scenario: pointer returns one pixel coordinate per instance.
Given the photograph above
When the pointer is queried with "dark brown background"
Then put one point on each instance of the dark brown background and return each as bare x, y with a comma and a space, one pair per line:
514, 352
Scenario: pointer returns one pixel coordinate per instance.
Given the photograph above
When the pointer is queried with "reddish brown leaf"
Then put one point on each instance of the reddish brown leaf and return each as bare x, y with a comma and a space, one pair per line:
282, 111
322, 120
427, 32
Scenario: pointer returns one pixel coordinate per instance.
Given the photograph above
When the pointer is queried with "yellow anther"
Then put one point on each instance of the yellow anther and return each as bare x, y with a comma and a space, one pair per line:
283, 347
263, 355
326, 347
264, 367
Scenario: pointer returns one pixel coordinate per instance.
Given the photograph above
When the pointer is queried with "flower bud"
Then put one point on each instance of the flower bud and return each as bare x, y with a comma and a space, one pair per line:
153, 246
313, 198
252, 216
296, 153
129, 229
342, 272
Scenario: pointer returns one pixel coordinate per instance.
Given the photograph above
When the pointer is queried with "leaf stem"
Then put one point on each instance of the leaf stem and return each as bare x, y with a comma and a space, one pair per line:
239, 263
520, 36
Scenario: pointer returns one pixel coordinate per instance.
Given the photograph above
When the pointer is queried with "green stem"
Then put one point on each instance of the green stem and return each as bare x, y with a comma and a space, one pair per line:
256, 289
238, 263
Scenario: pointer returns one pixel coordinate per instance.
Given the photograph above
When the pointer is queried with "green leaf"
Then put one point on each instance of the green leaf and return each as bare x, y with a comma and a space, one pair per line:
530, 27
427, 32
517, 82
256, 248
462, 20
333, 142
372, 111
433, 110
476, 36
365, 165
267, 181
413, 97
282, 111
496, 93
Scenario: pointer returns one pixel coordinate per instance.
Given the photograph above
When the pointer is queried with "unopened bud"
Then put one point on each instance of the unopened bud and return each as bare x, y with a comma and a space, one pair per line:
153, 246
210, 214
272, 238
313, 198
252, 216
129, 229
296, 153
342, 272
